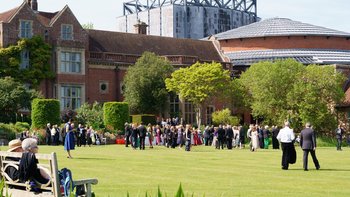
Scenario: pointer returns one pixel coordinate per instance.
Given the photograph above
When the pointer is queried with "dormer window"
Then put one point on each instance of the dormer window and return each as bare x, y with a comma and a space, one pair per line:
67, 32
25, 29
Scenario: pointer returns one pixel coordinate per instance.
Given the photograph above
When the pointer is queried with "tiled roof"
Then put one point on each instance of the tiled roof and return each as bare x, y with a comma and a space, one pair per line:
305, 56
279, 27
5, 16
45, 17
136, 44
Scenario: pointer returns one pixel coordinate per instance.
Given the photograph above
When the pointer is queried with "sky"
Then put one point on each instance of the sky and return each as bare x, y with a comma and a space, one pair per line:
102, 14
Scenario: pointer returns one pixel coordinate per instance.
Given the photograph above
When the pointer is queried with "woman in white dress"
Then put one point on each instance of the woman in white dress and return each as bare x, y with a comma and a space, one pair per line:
255, 139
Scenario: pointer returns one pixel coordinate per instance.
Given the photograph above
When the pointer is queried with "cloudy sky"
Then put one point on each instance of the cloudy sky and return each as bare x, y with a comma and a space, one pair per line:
333, 14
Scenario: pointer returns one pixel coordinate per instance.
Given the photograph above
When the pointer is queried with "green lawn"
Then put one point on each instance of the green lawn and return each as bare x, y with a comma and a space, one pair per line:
206, 172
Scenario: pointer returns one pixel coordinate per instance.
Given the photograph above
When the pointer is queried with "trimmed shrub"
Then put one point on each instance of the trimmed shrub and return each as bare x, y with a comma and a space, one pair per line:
22, 126
115, 114
144, 118
7, 131
45, 111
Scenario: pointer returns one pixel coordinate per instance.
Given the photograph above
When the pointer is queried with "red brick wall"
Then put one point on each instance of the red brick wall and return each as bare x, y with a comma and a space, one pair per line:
80, 37
310, 42
11, 30
95, 75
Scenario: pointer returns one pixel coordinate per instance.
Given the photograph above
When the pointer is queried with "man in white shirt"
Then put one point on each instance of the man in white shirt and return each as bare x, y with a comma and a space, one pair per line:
286, 137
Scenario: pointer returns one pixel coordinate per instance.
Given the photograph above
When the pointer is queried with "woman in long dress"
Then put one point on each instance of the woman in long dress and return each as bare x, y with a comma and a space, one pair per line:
69, 140
255, 138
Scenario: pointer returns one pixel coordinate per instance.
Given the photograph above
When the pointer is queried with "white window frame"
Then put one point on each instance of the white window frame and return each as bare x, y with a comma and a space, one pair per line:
209, 117
25, 29
190, 113
70, 62
71, 96
174, 107
67, 32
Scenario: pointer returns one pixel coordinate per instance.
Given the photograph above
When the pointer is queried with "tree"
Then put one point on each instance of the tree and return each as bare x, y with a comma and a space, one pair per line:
224, 117
88, 25
91, 115
144, 84
199, 83
39, 57
13, 97
288, 90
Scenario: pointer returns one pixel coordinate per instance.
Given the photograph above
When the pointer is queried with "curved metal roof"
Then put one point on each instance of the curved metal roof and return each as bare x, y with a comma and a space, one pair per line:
279, 27
304, 56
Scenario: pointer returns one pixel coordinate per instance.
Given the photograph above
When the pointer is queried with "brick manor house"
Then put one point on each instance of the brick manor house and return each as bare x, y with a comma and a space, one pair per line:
90, 64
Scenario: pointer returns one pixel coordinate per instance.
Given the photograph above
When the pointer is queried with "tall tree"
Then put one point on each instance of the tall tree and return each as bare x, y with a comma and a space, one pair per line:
199, 83
288, 90
144, 84
14, 96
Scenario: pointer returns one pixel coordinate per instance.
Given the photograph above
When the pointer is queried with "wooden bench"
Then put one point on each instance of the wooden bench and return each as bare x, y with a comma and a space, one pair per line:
51, 189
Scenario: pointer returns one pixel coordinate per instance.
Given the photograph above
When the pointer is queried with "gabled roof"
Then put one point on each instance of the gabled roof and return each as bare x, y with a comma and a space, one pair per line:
279, 27
46, 17
6, 16
304, 56
136, 44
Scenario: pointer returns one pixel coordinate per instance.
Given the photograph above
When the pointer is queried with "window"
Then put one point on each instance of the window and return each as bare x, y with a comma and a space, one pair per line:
103, 87
190, 114
25, 29
70, 97
67, 32
174, 106
70, 62
210, 110
24, 59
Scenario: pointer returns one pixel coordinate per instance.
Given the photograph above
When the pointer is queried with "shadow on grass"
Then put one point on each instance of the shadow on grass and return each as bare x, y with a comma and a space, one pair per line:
92, 158
321, 169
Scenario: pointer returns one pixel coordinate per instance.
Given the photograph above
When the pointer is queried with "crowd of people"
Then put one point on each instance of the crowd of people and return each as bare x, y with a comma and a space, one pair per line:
172, 133
83, 135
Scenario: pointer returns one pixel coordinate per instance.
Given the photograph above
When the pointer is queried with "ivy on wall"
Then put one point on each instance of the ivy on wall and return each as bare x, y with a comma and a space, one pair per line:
39, 61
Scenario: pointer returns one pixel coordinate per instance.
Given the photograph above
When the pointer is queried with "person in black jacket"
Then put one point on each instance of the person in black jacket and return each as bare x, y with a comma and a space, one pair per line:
14, 146
127, 130
28, 168
221, 137
308, 144
142, 133
275, 143
339, 132
229, 136
48, 134
134, 135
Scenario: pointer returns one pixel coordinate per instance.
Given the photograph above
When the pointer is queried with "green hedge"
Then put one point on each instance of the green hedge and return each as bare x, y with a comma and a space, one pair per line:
115, 114
7, 131
45, 111
22, 126
144, 118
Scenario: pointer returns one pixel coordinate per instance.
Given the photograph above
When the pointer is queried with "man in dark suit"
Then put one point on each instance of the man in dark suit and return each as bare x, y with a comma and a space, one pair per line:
127, 134
339, 132
229, 136
142, 133
221, 136
308, 144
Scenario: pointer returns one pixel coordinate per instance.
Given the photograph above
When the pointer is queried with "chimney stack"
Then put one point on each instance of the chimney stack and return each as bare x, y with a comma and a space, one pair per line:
29, 2
141, 28
33, 4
